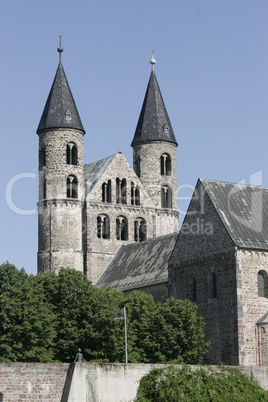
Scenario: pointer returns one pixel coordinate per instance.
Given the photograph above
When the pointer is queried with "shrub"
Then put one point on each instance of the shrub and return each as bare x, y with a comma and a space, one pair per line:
188, 383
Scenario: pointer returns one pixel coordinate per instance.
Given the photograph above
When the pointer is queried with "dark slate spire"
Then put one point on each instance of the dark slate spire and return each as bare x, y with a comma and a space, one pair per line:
154, 123
60, 110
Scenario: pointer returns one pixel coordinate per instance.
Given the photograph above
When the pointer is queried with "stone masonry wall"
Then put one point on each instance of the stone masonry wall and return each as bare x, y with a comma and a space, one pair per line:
60, 218
251, 306
146, 161
204, 248
99, 251
33, 382
159, 292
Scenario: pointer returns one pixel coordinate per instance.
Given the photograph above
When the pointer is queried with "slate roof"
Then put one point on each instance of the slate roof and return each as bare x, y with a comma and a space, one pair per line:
60, 110
95, 170
138, 265
243, 210
154, 123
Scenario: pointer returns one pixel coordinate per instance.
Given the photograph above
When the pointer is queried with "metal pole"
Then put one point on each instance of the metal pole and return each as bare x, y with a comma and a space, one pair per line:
125, 316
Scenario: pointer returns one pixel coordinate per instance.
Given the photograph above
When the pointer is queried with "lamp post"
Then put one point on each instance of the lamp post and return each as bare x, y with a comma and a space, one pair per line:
122, 316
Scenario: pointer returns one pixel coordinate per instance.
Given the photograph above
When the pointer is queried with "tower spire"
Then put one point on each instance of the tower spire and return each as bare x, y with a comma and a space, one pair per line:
60, 50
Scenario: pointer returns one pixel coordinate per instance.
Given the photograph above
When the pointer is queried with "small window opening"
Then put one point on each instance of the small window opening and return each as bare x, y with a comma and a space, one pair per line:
121, 191
212, 282
262, 284
140, 230
106, 192
71, 154
165, 165
72, 187
135, 194
103, 227
121, 228
166, 197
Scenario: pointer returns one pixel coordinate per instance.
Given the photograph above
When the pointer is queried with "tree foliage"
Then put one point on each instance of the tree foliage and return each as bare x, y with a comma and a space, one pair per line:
199, 384
48, 316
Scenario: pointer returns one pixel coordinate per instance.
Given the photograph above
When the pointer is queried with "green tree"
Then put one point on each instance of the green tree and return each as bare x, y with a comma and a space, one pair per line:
27, 325
199, 384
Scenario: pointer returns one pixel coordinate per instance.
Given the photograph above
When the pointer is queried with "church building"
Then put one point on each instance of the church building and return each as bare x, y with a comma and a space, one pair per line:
118, 224
88, 211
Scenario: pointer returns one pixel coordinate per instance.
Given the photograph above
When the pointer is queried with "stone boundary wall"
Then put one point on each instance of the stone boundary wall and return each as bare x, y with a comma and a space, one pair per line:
83, 382
33, 381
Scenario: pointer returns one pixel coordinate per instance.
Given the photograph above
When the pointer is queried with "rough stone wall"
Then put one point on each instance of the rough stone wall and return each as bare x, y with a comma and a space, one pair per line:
262, 338
204, 248
251, 307
159, 292
147, 165
23, 382
60, 218
100, 252
56, 170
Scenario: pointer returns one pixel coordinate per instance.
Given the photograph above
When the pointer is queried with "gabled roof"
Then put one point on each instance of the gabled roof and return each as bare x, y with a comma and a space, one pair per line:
95, 170
138, 265
243, 209
60, 110
154, 123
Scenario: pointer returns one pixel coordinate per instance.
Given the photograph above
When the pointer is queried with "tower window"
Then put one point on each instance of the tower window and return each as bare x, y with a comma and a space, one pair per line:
262, 284
193, 289
103, 227
121, 228
165, 165
166, 197
140, 230
212, 285
72, 187
106, 192
42, 156
44, 188
121, 191
135, 194
71, 154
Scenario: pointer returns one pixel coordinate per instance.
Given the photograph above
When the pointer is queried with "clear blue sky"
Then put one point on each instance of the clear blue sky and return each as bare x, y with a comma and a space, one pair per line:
212, 68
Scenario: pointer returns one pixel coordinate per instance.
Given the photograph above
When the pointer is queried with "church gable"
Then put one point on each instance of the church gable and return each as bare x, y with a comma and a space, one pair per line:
112, 180
202, 230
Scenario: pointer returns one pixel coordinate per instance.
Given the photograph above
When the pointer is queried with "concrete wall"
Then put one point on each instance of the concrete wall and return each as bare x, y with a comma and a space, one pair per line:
83, 382
119, 382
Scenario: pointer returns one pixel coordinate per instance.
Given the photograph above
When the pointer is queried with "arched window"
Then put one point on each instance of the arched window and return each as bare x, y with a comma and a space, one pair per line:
72, 187
165, 165
106, 192
262, 284
42, 156
212, 285
71, 154
140, 230
103, 227
121, 191
166, 197
135, 194
121, 228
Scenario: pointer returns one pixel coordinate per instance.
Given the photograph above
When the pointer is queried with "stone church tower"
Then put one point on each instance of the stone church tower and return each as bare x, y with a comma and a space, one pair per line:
154, 156
87, 212
61, 179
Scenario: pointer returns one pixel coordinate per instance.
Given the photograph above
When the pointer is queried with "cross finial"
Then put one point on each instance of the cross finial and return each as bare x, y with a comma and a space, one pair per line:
153, 61
60, 49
